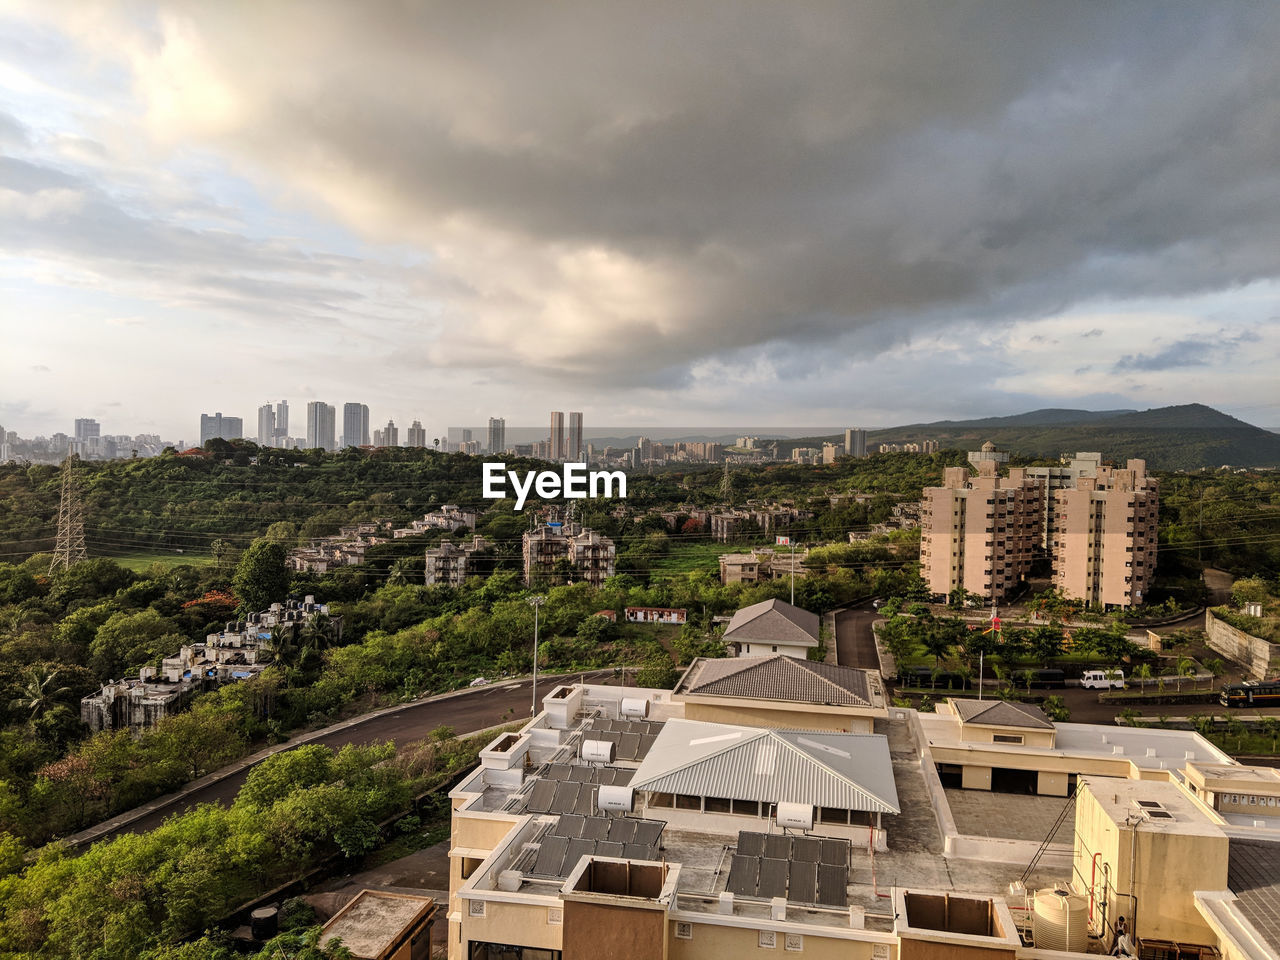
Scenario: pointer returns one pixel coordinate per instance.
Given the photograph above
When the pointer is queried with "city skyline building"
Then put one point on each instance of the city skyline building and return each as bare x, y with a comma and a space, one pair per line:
855, 442
557, 438
497, 434
282, 424
216, 426
321, 418
87, 429
574, 451
355, 425
416, 435
266, 425
388, 436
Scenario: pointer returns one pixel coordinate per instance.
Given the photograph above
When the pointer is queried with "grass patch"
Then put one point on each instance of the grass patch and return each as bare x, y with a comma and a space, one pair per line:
142, 562
686, 558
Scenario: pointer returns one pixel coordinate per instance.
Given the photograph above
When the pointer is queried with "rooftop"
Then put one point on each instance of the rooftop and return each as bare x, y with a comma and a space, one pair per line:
774, 621
1253, 874
1002, 713
371, 924
783, 678
842, 770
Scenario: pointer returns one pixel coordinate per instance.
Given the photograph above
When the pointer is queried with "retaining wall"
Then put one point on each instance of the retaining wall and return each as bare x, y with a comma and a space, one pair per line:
1260, 658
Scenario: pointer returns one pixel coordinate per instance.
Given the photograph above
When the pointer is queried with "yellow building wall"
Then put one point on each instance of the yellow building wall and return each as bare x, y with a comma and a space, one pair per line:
819, 719
976, 733
975, 777
522, 924
713, 942
1051, 783
1170, 867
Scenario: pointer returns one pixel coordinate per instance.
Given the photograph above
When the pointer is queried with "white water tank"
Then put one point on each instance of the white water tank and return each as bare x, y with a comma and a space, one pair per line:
598, 751
634, 708
797, 816
616, 799
1060, 920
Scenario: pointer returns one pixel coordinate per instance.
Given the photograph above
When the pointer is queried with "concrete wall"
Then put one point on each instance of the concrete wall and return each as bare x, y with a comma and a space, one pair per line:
522, 924
715, 941
979, 733
1260, 658
593, 930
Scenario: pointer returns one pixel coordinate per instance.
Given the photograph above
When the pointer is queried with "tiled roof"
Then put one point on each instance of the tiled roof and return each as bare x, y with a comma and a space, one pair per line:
1253, 874
782, 678
774, 621
847, 771
1001, 713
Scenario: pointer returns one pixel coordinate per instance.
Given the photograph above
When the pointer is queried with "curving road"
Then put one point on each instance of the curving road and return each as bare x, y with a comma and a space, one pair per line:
465, 711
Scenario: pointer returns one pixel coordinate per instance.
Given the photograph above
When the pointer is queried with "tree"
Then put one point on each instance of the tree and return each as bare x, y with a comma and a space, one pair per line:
1056, 709
39, 694
129, 640
1270, 727
261, 578
1185, 668
1203, 725
1046, 642
658, 671
1237, 729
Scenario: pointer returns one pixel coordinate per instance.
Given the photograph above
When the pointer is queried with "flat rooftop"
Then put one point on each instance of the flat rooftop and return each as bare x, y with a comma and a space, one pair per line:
371, 923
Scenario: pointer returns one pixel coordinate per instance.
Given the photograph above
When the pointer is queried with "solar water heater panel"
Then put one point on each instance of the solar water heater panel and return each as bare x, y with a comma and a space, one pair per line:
569, 825
777, 846
565, 798
577, 850
622, 830
802, 881
595, 828
637, 851
628, 745
832, 885
648, 832
773, 878
586, 804
743, 874
808, 849
751, 844
835, 851
581, 774
550, 856
540, 799
606, 849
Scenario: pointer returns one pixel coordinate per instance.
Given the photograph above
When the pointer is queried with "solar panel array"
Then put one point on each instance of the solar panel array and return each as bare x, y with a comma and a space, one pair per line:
633, 737
802, 869
575, 836
583, 773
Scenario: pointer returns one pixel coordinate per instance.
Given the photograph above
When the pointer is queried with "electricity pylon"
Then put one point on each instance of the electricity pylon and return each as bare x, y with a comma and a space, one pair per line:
69, 549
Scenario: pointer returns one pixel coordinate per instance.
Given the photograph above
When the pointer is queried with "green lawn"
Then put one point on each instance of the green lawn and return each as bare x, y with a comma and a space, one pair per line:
142, 562
688, 557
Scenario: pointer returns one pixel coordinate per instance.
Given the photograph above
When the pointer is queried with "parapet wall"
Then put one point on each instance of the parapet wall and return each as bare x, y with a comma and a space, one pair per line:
1260, 658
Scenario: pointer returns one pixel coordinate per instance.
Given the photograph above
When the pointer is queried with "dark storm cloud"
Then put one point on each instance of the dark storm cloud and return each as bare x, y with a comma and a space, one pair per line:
791, 173
1189, 352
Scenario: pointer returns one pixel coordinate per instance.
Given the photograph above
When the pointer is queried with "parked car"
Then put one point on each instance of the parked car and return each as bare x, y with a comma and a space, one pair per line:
478, 682
1102, 679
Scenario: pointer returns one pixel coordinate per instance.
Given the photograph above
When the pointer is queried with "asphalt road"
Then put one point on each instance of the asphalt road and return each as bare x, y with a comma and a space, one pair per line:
466, 713
855, 646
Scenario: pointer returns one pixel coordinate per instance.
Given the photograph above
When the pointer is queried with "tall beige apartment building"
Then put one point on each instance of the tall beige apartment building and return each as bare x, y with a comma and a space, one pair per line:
979, 533
1096, 524
1104, 536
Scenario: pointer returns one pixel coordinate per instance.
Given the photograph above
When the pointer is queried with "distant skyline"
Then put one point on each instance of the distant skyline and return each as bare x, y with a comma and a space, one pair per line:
853, 214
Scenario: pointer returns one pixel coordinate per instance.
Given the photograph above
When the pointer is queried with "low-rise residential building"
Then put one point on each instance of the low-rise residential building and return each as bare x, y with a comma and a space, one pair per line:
449, 518
614, 824
764, 563
590, 555
773, 626
450, 564
241, 650
656, 614
383, 925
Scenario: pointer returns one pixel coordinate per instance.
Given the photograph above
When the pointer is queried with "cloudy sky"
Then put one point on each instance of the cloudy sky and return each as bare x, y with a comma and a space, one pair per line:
711, 213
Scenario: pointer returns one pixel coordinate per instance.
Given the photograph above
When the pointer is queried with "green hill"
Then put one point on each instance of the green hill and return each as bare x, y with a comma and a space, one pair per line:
1184, 437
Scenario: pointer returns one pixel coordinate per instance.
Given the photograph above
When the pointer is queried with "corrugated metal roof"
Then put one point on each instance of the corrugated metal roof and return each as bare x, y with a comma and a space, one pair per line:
774, 621
846, 771
782, 678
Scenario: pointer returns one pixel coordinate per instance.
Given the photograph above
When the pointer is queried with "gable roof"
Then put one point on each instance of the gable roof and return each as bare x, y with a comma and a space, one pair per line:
774, 621
848, 771
1001, 713
780, 677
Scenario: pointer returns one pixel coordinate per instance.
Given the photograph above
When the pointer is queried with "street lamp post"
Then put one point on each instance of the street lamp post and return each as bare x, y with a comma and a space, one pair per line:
536, 601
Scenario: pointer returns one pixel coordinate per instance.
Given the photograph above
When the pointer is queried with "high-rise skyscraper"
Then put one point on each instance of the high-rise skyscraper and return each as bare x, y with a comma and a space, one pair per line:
266, 425
355, 424
87, 429
226, 428
320, 426
557, 435
417, 435
497, 434
575, 450
282, 423
390, 435
855, 442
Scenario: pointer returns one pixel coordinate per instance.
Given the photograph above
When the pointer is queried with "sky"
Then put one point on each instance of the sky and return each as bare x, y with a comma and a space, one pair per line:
745, 213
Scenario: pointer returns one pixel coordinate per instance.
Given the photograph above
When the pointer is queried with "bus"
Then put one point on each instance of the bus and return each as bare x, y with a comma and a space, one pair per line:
1251, 693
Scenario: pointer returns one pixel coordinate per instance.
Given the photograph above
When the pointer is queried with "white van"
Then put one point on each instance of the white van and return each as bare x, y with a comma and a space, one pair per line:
1102, 679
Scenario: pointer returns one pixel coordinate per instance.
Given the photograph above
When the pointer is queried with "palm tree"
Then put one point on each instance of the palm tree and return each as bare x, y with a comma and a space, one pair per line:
1186, 668
1270, 727
39, 695
319, 632
398, 575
